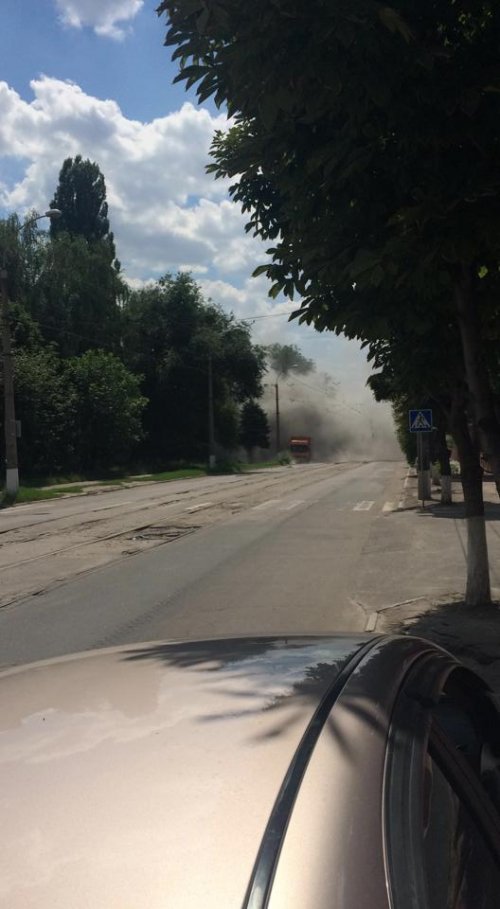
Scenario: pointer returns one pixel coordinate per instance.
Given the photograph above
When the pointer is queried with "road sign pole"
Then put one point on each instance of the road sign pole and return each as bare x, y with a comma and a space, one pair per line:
420, 468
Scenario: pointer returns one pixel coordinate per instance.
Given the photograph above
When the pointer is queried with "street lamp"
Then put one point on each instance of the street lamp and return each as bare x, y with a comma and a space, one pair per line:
10, 426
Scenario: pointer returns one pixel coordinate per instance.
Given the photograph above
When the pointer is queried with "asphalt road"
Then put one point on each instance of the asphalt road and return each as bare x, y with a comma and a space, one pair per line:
275, 551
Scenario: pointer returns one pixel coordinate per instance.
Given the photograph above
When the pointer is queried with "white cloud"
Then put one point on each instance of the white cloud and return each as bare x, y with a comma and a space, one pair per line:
166, 212
103, 16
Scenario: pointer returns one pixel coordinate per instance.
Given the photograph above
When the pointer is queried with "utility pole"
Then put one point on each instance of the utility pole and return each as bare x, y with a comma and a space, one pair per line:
278, 433
12, 471
211, 422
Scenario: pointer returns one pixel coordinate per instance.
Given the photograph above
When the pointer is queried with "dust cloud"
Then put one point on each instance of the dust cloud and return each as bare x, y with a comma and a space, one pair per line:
340, 429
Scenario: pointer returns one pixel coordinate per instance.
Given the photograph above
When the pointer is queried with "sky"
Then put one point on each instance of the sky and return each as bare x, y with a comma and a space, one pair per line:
92, 77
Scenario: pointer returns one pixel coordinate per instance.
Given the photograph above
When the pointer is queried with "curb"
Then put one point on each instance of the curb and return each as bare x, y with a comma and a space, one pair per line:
373, 617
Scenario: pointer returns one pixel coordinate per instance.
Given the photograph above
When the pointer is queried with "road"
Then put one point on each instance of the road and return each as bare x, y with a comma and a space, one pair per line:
271, 551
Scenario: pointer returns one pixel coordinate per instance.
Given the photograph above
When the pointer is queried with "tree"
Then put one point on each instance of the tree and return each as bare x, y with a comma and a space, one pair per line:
45, 406
429, 374
363, 201
76, 299
407, 440
332, 167
107, 412
285, 359
170, 332
81, 198
72, 285
254, 428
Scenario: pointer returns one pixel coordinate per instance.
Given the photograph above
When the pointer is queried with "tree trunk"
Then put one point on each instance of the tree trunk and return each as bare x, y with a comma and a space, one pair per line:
483, 408
478, 592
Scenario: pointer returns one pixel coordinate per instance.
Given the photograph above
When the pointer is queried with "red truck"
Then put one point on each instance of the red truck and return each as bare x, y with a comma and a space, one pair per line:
300, 448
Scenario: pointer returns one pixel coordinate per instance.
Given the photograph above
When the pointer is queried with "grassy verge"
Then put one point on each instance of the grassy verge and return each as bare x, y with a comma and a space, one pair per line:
183, 473
30, 494
43, 488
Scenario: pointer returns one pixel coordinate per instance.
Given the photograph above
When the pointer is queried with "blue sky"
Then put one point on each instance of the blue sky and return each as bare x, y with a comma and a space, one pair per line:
93, 77
135, 71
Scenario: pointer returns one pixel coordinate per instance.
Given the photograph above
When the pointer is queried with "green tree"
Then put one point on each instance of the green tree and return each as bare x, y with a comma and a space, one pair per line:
107, 412
407, 440
81, 198
351, 151
286, 359
45, 406
254, 428
358, 195
77, 298
170, 332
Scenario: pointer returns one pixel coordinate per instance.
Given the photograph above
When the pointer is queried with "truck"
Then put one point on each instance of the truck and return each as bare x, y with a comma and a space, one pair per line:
300, 449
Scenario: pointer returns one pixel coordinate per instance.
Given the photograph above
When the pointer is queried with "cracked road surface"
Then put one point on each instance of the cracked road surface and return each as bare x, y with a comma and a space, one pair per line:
264, 552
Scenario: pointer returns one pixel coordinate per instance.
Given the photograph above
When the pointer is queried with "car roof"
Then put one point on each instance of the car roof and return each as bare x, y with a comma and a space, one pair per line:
145, 775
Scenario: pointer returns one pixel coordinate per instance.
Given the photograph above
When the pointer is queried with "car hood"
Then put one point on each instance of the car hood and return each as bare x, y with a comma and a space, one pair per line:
144, 776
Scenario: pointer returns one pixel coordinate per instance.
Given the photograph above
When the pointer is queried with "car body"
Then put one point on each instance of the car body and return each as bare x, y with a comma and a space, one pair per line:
282, 772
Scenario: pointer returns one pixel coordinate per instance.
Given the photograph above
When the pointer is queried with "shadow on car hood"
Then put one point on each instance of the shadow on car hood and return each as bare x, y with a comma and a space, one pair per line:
144, 776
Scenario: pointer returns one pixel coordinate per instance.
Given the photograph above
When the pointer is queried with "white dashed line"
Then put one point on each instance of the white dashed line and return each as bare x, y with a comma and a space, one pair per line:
363, 506
264, 505
389, 506
292, 505
200, 505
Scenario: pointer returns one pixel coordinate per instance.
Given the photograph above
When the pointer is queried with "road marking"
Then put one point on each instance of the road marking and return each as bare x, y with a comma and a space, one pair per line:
264, 505
363, 506
200, 505
292, 505
389, 506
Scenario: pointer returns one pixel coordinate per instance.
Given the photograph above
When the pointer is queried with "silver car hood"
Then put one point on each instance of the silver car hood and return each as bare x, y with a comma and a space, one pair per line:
144, 776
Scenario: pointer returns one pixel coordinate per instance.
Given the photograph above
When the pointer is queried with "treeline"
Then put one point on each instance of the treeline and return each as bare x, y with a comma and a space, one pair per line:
107, 376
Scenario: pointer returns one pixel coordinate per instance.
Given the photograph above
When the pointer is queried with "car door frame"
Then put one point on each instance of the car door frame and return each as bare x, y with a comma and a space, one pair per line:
414, 733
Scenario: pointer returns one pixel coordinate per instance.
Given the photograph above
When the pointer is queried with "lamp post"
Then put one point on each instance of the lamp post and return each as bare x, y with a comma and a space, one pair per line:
10, 426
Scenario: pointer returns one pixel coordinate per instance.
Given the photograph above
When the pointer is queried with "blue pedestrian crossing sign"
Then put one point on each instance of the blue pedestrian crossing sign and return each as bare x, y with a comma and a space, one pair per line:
420, 420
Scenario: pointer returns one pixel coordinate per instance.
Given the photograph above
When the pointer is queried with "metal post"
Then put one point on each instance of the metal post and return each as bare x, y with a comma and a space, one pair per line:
12, 471
211, 422
278, 433
426, 465
420, 469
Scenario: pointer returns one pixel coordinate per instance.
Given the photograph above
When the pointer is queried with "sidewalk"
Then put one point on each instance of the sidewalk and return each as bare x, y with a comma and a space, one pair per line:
428, 561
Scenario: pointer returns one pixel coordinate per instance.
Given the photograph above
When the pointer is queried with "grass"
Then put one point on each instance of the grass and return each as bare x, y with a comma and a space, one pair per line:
31, 494
42, 488
183, 473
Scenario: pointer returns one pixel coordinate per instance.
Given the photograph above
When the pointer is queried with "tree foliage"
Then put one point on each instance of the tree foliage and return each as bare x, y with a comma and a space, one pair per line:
285, 359
81, 198
106, 422
254, 428
77, 298
45, 405
105, 375
170, 331
355, 128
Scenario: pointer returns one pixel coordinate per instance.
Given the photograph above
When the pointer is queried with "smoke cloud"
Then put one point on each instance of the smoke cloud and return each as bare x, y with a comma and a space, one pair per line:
315, 406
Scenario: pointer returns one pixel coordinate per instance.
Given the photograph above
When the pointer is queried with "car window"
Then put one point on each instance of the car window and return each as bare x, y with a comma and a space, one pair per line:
471, 722
442, 824
459, 868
